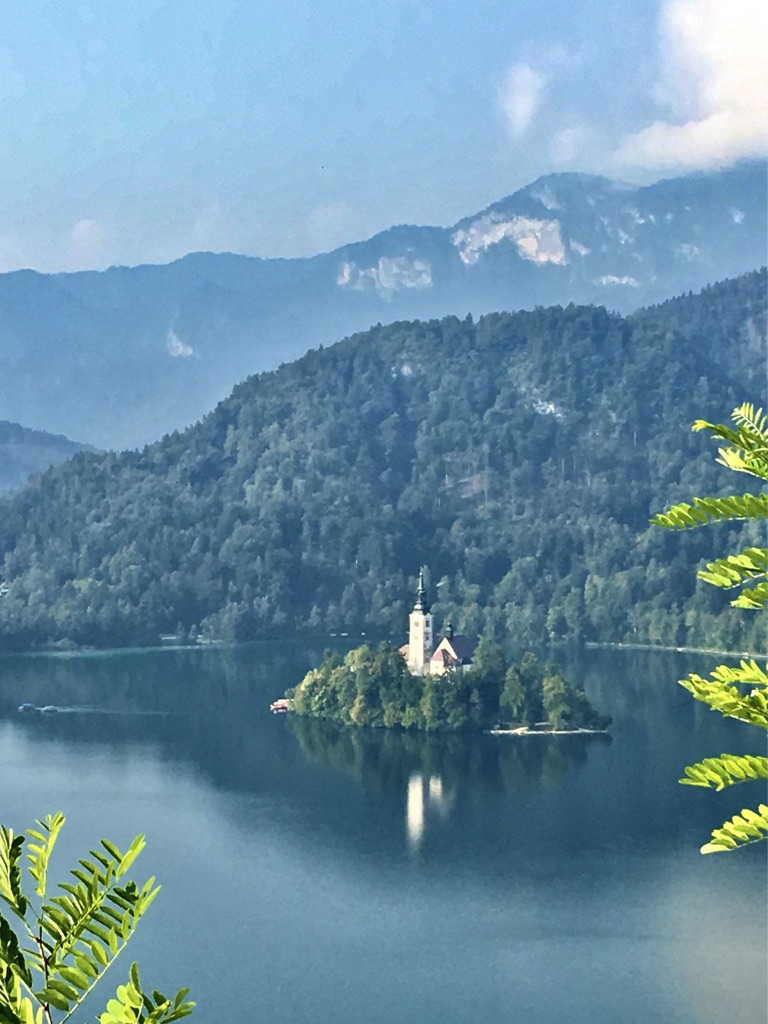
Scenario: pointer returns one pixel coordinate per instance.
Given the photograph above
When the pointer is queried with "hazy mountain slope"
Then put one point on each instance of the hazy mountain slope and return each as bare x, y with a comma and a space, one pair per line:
24, 451
727, 322
519, 457
121, 357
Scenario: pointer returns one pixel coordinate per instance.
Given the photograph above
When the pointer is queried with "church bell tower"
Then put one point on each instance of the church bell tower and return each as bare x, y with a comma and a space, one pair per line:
420, 632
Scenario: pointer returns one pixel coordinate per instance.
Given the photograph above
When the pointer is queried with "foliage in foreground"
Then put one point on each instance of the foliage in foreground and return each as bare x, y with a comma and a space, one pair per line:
74, 936
740, 692
372, 686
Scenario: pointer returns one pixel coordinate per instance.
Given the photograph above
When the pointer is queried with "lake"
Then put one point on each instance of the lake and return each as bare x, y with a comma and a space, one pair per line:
312, 874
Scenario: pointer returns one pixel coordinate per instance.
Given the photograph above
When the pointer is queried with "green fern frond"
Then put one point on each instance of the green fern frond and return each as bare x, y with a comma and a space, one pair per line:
88, 924
726, 770
40, 850
754, 462
753, 598
131, 1004
745, 451
735, 570
729, 700
753, 419
703, 511
746, 673
748, 451
742, 830
10, 871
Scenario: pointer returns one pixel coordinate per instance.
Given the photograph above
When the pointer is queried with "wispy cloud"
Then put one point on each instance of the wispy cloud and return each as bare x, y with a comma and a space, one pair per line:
87, 243
712, 88
521, 96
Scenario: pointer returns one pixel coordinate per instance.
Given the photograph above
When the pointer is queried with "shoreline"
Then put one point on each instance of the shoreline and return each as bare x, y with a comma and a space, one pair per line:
524, 730
679, 650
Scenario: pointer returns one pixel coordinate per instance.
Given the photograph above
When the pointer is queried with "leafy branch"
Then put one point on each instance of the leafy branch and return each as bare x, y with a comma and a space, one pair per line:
75, 935
745, 451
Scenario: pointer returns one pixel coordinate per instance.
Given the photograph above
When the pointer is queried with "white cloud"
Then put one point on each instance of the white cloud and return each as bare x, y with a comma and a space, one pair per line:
176, 347
521, 97
712, 88
87, 244
577, 145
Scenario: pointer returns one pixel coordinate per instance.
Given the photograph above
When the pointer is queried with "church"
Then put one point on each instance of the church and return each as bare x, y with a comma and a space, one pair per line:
454, 652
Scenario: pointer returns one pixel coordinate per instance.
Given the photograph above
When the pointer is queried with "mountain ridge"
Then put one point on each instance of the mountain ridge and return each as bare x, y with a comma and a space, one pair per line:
124, 355
24, 451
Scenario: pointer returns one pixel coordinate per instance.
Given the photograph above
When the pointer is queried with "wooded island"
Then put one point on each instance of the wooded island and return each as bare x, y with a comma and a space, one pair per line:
373, 686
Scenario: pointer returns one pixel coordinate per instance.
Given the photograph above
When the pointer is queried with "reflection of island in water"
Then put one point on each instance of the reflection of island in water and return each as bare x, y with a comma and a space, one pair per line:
434, 774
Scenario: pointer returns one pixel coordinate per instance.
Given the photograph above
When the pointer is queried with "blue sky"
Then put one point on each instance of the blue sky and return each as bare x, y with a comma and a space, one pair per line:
136, 132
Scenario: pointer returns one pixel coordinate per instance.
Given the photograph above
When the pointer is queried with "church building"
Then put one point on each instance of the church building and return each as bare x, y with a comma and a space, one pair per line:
453, 652
418, 650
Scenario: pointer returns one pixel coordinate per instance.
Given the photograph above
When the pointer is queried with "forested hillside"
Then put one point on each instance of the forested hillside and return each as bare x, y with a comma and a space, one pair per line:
725, 322
519, 457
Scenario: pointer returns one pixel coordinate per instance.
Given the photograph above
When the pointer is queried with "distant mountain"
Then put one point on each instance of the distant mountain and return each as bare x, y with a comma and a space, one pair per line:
122, 356
24, 452
518, 456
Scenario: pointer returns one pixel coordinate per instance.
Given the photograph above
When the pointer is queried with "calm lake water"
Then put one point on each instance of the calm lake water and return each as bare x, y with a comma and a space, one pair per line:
317, 875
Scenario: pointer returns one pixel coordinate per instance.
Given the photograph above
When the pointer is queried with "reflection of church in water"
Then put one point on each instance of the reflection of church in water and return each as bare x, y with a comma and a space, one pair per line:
454, 651
426, 794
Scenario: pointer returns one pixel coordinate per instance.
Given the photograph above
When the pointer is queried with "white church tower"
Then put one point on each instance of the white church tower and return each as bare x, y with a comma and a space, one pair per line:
420, 632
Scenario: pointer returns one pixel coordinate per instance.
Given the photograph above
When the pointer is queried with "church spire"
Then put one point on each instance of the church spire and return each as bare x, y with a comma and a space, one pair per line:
422, 604
420, 632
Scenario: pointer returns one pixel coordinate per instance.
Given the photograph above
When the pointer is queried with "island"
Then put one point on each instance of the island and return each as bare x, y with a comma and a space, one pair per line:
462, 682
374, 686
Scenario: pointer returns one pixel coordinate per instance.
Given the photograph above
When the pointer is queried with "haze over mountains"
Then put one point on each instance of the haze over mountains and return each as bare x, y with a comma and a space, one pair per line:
120, 357
24, 451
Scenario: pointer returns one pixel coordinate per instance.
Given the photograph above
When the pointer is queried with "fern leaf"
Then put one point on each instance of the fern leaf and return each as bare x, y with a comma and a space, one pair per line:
742, 830
735, 571
748, 443
40, 851
746, 673
729, 700
12, 957
753, 598
726, 770
10, 871
90, 922
703, 511
131, 1003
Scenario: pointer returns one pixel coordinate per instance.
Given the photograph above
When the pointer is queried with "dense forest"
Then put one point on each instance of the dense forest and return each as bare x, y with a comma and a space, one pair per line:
372, 686
727, 323
518, 456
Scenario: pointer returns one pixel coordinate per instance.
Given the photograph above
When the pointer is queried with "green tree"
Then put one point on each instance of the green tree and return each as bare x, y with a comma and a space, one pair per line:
554, 691
75, 936
741, 692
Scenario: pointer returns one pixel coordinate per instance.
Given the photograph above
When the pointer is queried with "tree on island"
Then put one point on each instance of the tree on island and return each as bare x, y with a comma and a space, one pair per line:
741, 692
372, 686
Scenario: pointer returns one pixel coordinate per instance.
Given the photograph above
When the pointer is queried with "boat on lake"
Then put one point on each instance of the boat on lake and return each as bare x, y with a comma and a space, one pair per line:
280, 705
